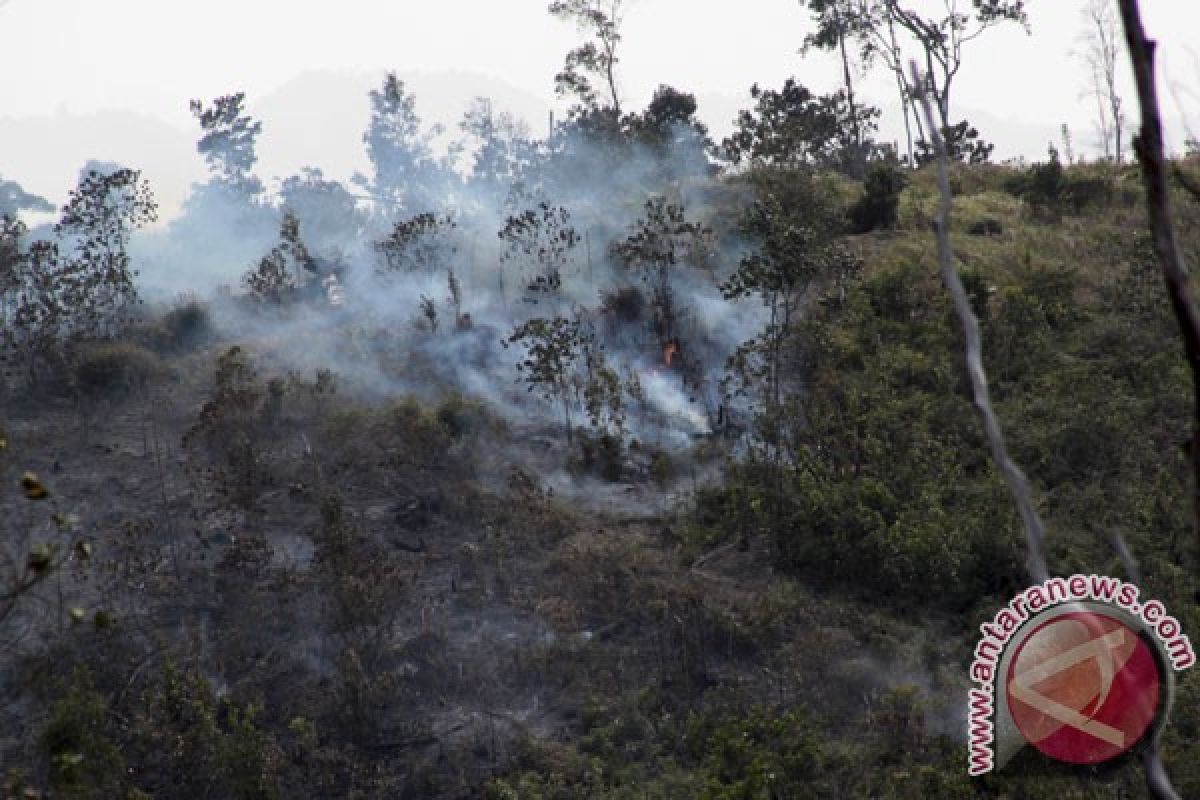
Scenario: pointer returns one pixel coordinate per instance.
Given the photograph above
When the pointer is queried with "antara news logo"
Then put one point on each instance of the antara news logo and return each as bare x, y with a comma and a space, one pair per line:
1080, 667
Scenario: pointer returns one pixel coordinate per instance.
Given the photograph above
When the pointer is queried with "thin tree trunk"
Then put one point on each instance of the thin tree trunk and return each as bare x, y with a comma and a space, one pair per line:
1035, 559
855, 127
610, 49
1149, 147
1114, 109
941, 97
567, 418
779, 428
906, 104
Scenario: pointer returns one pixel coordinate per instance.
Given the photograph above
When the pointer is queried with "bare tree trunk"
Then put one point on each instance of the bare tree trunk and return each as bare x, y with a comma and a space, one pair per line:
1035, 559
1101, 57
610, 49
612, 82
1149, 148
1157, 780
1107, 40
566, 401
1148, 145
1117, 132
941, 96
859, 155
1102, 124
906, 98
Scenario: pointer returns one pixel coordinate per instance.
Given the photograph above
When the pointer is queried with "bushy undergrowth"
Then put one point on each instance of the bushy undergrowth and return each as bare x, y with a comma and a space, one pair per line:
187, 324
878, 208
880, 482
114, 369
376, 601
1052, 190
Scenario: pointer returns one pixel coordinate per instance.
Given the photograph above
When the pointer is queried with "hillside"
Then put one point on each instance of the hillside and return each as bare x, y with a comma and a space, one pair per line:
280, 576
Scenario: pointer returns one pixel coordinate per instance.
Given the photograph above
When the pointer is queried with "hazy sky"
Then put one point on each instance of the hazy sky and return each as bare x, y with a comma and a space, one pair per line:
79, 76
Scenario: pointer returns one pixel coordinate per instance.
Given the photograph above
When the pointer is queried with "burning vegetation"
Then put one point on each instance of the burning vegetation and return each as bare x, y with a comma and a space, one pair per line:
616, 463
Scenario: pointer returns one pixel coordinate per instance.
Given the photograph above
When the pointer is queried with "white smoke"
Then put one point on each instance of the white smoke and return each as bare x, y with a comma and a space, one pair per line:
391, 333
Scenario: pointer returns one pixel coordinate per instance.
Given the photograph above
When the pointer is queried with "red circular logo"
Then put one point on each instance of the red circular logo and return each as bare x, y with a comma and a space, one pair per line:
1083, 687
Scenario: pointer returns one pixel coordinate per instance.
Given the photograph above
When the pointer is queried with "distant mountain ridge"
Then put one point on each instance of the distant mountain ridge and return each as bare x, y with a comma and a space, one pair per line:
318, 117
315, 119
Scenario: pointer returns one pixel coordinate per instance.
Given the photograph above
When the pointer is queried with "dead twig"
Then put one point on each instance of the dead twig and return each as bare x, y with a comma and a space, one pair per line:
711, 554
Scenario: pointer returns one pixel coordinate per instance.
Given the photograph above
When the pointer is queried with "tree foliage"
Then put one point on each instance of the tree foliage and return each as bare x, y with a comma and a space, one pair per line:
879, 206
406, 175
542, 240
792, 126
669, 121
837, 24
886, 31
81, 286
419, 243
595, 61
13, 198
662, 240
552, 350
942, 39
962, 142
325, 208
505, 152
285, 268
229, 142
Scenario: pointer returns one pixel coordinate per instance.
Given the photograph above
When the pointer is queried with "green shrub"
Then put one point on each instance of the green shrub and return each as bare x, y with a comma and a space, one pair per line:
114, 369
187, 325
84, 761
626, 303
988, 226
237, 427
1051, 191
662, 468
765, 753
190, 743
1046, 186
601, 454
878, 208
461, 416
1089, 191
962, 143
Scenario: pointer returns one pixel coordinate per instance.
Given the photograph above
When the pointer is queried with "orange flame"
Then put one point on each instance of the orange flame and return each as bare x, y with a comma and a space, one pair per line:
669, 351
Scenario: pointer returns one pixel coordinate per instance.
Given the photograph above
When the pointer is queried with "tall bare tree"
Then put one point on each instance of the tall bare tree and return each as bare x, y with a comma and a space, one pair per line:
1150, 151
836, 23
875, 33
1100, 54
1148, 144
885, 29
942, 39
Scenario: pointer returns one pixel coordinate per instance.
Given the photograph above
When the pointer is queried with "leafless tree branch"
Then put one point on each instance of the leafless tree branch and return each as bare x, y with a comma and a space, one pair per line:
1101, 55
1035, 559
1157, 780
1149, 147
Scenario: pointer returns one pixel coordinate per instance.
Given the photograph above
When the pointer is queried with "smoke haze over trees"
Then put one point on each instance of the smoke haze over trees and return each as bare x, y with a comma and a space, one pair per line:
613, 458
